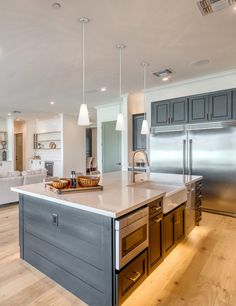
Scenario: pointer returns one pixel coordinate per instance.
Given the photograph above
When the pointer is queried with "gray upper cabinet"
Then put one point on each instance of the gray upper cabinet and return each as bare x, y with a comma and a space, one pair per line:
160, 113
234, 104
170, 112
220, 106
216, 106
198, 108
179, 111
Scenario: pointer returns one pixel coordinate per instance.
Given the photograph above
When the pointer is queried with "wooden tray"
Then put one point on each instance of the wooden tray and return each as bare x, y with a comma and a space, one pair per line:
49, 187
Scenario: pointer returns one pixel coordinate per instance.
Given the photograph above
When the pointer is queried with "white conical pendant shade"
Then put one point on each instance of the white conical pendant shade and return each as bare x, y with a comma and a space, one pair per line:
83, 115
145, 128
120, 124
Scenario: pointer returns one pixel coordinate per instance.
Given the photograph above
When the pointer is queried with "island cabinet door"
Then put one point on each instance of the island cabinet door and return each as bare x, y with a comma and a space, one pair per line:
169, 232
179, 223
155, 250
72, 246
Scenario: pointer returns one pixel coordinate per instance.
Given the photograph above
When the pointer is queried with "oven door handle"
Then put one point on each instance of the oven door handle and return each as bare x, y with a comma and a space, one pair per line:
136, 277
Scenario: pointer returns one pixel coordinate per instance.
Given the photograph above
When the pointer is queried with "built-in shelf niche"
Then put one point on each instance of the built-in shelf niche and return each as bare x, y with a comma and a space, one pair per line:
42, 141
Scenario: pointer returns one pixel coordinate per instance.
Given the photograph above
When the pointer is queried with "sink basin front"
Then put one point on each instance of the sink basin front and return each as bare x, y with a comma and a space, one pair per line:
174, 195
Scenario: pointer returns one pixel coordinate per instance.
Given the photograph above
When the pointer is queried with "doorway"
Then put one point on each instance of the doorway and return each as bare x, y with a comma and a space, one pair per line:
111, 147
19, 151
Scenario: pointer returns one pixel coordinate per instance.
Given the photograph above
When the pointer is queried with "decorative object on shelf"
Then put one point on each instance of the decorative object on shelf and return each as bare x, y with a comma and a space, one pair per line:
4, 144
120, 124
4, 155
145, 127
52, 145
88, 181
83, 119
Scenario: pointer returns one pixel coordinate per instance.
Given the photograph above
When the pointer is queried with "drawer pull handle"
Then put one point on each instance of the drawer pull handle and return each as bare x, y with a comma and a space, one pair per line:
156, 208
156, 220
136, 277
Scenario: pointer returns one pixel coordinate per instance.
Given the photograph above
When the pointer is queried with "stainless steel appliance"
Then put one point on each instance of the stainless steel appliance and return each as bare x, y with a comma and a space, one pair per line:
204, 149
131, 234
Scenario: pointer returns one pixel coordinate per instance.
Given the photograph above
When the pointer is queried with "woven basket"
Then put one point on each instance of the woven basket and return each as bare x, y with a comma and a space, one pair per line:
87, 181
59, 184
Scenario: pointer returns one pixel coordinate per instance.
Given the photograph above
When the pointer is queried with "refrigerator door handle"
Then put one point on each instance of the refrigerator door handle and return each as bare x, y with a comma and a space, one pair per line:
190, 156
184, 156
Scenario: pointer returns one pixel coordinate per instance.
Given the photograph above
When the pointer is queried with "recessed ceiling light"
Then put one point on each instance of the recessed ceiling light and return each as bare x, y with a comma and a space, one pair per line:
235, 7
165, 79
52, 102
9, 114
103, 89
56, 5
17, 119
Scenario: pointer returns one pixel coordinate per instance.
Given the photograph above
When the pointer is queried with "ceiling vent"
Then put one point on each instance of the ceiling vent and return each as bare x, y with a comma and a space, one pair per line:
211, 6
16, 112
163, 73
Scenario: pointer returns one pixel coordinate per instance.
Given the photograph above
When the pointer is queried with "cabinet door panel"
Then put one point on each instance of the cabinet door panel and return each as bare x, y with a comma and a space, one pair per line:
198, 108
160, 113
155, 239
169, 237
221, 105
179, 223
234, 104
179, 111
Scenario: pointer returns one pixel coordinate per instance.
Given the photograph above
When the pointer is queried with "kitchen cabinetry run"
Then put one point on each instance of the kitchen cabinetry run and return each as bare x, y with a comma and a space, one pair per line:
214, 106
173, 111
174, 228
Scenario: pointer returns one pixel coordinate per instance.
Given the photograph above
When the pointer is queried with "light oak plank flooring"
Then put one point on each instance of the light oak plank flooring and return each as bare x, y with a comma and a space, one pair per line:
200, 271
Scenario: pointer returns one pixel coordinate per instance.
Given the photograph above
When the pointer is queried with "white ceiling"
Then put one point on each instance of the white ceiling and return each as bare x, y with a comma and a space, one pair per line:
40, 48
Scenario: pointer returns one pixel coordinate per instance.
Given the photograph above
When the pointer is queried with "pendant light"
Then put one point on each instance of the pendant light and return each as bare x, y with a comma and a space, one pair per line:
83, 119
120, 124
145, 127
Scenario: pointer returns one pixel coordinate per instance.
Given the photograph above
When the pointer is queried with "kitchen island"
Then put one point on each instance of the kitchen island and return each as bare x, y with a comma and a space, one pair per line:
73, 238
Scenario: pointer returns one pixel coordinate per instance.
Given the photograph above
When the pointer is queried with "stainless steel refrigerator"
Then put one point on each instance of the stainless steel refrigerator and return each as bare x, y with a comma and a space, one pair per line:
205, 149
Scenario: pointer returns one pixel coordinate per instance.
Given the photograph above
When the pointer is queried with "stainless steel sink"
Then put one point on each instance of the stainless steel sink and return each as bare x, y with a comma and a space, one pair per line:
174, 195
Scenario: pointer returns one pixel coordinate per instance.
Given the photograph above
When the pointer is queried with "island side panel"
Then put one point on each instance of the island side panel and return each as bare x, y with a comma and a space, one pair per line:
72, 246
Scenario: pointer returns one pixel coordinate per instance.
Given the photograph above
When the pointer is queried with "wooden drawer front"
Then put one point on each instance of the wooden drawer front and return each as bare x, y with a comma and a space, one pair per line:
155, 207
169, 232
131, 277
76, 232
179, 223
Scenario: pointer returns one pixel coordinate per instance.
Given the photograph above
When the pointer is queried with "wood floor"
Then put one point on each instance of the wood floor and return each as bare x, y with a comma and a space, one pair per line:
200, 271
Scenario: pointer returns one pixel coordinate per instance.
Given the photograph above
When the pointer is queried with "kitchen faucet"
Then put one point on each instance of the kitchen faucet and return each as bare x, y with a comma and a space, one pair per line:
133, 157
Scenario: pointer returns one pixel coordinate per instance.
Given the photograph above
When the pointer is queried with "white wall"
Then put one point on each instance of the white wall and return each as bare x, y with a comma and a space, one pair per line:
53, 124
107, 113
74, 145
3, 125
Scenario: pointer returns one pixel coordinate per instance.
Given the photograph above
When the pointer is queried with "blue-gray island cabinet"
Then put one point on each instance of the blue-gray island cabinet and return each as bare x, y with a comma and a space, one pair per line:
72, 246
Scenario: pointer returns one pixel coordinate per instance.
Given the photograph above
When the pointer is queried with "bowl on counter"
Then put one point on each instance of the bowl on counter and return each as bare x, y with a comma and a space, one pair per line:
88, 181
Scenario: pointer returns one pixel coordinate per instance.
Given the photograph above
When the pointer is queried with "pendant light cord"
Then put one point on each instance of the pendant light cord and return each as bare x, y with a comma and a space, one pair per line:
144, 89
120, 76
83, 63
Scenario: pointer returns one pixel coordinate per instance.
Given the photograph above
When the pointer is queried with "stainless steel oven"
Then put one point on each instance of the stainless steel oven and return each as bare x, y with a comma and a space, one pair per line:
131, 236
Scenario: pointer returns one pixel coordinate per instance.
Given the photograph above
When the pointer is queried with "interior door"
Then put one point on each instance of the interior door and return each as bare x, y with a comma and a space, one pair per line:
19, 152
168, 152
213, 157
111, 147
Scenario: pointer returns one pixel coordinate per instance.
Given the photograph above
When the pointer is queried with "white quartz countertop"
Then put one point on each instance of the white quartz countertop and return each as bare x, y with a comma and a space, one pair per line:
118, 198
